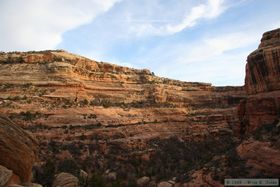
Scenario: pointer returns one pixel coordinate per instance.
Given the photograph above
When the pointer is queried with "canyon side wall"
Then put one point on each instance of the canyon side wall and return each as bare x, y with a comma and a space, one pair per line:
259, 113
103, 117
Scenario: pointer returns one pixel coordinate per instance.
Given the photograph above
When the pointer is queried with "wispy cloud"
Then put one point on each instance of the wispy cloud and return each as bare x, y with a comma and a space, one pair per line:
36, 25
208, 10
216, 58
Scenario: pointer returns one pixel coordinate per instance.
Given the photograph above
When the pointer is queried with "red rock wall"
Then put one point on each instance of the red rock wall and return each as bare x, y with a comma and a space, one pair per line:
259, 114
262, 84
263, 65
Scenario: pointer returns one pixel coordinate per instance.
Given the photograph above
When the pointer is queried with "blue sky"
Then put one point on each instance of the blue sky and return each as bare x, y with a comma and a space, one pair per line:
190, 40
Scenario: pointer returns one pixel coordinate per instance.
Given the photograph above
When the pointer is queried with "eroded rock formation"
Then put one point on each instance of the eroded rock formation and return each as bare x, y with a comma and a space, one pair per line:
18, 151
262, 83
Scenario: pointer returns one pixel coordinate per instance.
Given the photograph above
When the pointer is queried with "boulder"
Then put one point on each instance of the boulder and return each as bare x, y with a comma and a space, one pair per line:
5, 175
18, 149
143, 181
111, 176
164, 184
65, 180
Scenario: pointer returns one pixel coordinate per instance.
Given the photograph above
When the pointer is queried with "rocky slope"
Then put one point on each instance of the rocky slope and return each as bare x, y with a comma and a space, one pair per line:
126, 127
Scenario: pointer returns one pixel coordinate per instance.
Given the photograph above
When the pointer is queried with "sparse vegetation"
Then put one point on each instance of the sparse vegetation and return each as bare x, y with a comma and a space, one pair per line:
29, 116
45, 174
69, 166
135, 104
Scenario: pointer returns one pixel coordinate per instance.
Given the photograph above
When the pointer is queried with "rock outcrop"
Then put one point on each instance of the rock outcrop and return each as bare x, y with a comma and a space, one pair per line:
259, 113
262, 157
262, 84
5, 175
263, 65
18, 150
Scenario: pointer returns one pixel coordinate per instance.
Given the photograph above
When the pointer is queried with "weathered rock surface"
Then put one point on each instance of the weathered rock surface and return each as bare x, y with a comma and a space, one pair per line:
261, 156
262, 83
17, 149
164, 184
65, 180
263, 65
199, 178
143, 181
5, 175
259, 113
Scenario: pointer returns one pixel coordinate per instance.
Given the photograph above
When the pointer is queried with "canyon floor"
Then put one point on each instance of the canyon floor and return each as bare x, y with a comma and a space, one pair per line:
68, 120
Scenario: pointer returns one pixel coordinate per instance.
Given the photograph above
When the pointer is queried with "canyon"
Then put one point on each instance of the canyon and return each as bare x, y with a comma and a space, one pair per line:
128, 127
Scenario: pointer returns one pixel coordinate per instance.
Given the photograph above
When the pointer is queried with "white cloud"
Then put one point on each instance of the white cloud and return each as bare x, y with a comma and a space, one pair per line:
38, 25
208, 10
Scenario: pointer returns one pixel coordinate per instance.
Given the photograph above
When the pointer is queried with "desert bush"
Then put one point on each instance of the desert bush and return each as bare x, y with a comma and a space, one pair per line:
29, 116
68, 166
45, 174
84, 102
97, 180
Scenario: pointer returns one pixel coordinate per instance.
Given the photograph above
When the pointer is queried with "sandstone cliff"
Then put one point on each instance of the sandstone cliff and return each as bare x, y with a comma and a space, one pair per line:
259, 114
263, 66
262, 83
98, 113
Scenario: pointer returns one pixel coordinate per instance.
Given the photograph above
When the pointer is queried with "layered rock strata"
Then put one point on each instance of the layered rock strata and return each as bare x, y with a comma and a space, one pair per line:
262, 84
97, 113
